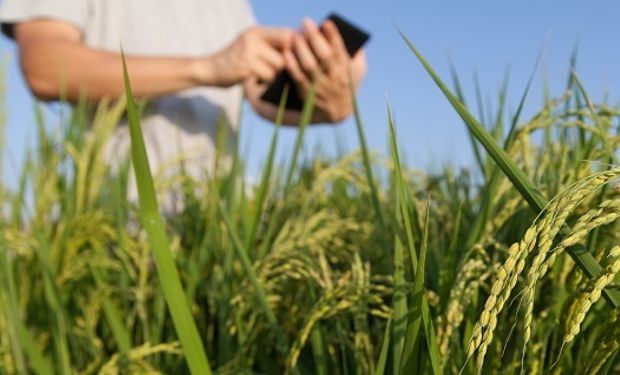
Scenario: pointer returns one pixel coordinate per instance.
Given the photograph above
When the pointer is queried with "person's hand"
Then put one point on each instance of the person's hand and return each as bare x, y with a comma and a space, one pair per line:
322, 55
319, 54
256, 53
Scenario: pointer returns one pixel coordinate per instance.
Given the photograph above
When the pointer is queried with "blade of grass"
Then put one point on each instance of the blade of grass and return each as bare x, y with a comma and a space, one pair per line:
40, 364
46, 165
495, 179
609, 365
8, 307
498, 127
572, 66
318, 351
399, 302
418, 297
482, 118
266, 177
427, 322
21, 336
18, 204
520, 181
597, 120
408, 338
374, 195
515, 119
317, 340
569, 87
399, 350
304, 121
452, 259
459, 93
52, 295
178, 306
385, 347
405, 205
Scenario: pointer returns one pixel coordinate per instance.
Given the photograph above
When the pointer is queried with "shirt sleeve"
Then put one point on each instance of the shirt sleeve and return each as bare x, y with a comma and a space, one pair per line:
74, 12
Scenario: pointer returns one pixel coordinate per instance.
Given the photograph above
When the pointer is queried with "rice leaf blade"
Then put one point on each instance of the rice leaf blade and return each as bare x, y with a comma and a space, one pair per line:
461, 95
399, 303
305, 119
427, 323
374, 195
266, 177
175, 297
385, 347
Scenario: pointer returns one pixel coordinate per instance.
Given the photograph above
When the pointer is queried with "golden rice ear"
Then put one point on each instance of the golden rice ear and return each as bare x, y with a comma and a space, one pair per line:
591, 296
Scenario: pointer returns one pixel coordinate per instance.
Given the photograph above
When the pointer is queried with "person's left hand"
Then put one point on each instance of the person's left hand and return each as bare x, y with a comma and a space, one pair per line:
321, 54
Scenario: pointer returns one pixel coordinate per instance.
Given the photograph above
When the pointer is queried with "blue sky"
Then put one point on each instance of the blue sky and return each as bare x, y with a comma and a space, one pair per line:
483, 36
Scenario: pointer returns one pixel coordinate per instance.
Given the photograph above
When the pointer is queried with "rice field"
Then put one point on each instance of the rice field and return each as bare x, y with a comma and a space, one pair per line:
350, 265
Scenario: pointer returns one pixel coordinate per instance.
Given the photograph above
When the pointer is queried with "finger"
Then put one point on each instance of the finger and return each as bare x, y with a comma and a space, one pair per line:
295, 70
271, 56
253, 85
264, 71
306, 58
317, 41
335, 40
278, 37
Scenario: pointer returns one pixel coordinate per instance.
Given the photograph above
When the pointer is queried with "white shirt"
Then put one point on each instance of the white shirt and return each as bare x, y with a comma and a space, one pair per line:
180, 126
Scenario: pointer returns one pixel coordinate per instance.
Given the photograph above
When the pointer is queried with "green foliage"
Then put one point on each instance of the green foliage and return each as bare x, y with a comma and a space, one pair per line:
351, 265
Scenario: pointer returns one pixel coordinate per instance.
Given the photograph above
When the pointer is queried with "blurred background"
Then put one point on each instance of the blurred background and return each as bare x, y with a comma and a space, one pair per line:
478, 37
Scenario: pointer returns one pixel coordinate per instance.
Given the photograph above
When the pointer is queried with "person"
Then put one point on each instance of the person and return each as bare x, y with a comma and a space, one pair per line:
192, 58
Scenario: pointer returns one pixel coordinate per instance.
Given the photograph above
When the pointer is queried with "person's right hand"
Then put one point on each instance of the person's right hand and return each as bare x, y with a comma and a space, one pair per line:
257, 52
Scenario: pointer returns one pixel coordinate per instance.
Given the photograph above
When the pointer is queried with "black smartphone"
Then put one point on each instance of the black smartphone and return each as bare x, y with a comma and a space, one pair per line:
354, 38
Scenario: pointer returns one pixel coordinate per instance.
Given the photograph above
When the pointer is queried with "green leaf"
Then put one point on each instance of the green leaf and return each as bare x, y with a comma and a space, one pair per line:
374, 196
385, 346
459, 93
400, 350
178, 305
266, 177
304, 121
427, 322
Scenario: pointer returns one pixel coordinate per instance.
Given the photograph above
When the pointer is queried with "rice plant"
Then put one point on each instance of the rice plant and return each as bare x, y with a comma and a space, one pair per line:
350, 265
